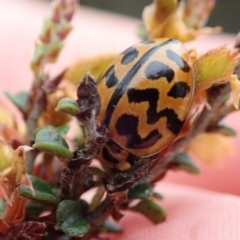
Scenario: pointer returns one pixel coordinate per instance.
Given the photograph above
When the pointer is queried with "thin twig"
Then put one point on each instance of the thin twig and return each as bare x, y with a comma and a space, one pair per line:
47, 49
76, 178
36, 104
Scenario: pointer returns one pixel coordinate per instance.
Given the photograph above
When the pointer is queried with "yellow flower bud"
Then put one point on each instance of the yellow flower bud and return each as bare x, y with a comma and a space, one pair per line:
12, 168
211, 148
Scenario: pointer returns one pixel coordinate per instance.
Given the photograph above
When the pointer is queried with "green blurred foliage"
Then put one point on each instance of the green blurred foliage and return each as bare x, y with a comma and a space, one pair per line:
225, 14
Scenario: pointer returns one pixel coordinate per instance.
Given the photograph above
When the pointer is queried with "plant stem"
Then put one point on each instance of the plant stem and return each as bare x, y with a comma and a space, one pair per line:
76, 177
36, 104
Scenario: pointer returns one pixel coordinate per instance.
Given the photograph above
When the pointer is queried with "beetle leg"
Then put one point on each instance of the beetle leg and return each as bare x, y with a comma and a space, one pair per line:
117, 187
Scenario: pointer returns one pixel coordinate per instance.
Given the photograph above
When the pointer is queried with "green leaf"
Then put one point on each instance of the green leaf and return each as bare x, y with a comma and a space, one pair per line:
42, 191
2, 206
70, 218
39, 52
34, 209
97, 171
54, 50
157, 195
142, 32
184, 162
96, 199
68, 105
140, 190
19, 99
225, 130
109, 226
50, 141
62, 130
151, 210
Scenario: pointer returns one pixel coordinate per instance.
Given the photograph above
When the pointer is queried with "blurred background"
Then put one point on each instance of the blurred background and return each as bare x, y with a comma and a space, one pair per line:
225, 14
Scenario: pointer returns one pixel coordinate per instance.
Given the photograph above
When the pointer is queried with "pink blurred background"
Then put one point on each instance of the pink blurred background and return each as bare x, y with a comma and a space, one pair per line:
96, 33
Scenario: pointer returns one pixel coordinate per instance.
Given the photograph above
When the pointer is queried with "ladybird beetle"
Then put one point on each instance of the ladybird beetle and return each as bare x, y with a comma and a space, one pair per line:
145, 96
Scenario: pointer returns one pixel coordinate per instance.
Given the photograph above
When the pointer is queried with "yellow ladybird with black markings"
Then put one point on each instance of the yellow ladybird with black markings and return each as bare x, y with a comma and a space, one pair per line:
145, 95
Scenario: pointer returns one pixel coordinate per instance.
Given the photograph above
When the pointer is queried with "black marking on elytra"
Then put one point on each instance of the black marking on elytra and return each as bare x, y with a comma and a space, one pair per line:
122, 86
116, 149
131, 159
129, 55
108, 157
183, 65
179, 90
110, 78
174, 41
151, 95
156, 70
147, 42
127, 125
174, 124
